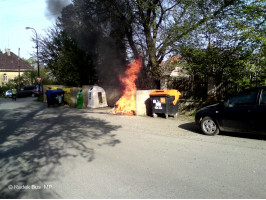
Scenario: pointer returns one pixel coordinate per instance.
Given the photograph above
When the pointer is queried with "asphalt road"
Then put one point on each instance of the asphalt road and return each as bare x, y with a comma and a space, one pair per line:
80, 153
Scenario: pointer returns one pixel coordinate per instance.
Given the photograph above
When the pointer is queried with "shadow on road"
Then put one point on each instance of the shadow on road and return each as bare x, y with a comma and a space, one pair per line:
34, 141
244, 135
192, 127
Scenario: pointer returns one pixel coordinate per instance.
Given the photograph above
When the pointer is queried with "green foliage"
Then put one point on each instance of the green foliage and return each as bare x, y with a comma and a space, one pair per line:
69, 64
28, 78
222, 39
31, 60
252, 43
230, 69
229, 49
40, 98
151, 28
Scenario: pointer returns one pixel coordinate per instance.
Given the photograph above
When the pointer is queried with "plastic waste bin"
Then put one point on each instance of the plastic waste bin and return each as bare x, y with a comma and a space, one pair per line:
97, 97
80, 99
165, 102
67, 95
55, 97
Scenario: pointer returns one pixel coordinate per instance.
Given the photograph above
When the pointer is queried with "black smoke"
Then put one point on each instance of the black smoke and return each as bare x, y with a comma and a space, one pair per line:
54, 8
92, 29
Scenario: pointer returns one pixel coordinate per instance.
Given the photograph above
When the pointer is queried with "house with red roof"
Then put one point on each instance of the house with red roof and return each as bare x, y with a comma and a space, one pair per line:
171, 68
11, 66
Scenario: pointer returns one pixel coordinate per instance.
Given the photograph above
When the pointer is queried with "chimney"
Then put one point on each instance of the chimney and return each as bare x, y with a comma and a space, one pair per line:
8, 52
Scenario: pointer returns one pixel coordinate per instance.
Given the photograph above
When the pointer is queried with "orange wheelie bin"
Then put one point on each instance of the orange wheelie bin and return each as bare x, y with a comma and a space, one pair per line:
164, 102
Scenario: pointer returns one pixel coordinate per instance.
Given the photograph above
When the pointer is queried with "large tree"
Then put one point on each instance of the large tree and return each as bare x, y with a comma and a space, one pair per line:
95, 33
155, 28
151, 28
237, 59
69, 64
113, 31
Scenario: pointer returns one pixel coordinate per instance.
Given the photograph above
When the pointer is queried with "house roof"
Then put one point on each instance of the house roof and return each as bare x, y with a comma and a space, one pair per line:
171, 60
12, 62
177, 71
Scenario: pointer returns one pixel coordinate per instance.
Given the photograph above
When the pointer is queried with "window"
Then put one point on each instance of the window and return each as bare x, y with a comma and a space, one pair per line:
5, 77
263, 98
247, 98
100, 97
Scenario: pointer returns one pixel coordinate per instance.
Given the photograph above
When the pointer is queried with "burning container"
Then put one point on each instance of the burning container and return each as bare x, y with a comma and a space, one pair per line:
165, 102
96, 97
55, 97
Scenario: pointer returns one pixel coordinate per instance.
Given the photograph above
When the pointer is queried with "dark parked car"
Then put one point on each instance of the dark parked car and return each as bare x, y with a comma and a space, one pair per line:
32, 90
243, 113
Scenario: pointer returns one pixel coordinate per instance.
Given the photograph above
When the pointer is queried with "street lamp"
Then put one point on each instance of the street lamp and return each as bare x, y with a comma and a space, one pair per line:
36, 48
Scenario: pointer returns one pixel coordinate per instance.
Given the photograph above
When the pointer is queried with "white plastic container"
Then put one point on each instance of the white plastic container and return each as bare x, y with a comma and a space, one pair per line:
97, 97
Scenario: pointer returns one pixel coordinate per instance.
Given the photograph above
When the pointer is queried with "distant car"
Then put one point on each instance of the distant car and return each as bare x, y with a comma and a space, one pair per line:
31, 90
8, 94
245, 112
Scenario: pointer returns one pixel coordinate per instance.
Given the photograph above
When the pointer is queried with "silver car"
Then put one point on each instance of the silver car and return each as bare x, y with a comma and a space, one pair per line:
8, 94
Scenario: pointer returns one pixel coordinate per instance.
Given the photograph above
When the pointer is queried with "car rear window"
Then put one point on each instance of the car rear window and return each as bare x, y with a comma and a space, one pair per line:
29, 88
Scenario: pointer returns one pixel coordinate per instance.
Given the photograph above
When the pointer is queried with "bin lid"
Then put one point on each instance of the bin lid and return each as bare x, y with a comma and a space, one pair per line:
49, 92
55, 91
174, 93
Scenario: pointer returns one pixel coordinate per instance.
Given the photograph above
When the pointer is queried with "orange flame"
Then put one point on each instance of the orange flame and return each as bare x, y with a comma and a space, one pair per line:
127, 103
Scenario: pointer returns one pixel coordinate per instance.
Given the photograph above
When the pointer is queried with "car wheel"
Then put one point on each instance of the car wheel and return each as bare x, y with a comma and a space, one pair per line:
209, 126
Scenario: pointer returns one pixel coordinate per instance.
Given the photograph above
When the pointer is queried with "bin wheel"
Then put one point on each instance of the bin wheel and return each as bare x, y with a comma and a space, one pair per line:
154, 115
166, 116
175, 116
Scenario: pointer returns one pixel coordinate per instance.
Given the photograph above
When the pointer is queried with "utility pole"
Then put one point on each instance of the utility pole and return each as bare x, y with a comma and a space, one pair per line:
37, 54
19, 68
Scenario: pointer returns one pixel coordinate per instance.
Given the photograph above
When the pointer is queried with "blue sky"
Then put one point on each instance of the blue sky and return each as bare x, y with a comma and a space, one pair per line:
15, 15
